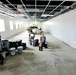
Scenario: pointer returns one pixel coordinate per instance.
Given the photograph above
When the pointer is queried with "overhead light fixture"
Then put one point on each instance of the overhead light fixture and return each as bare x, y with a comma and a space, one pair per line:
45, 15
18, 11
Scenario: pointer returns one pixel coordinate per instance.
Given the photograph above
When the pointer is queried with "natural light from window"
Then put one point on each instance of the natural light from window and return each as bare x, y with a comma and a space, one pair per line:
2, 26
16, 25
11, 25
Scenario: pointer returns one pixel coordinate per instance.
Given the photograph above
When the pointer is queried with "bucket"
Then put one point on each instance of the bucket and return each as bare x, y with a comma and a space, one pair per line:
4, 54
20, 49
12, 51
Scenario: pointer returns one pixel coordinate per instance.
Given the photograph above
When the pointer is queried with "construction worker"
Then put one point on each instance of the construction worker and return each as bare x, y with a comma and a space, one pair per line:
42, 41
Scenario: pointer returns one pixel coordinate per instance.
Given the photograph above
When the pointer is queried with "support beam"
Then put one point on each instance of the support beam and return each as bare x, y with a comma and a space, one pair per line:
46, 7
25, 8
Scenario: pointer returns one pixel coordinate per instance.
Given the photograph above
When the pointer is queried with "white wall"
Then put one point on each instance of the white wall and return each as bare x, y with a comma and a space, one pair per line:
63, 27
8, 33
46, 26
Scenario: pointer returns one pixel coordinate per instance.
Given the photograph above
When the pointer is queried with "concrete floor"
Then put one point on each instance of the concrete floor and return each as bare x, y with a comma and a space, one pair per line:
58, 59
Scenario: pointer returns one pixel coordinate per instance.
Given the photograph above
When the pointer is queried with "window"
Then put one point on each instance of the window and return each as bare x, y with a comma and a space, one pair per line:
11, 25
16, 25
2, 26
20, 25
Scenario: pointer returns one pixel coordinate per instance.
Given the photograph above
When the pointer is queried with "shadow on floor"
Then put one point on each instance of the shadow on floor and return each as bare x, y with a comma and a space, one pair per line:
29, 48
53, 46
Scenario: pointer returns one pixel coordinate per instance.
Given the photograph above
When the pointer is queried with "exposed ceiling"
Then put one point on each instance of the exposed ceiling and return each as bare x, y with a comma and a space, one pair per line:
40, 9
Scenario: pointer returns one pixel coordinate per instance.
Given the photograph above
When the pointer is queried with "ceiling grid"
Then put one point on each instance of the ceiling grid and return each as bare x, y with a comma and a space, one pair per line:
41, 9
